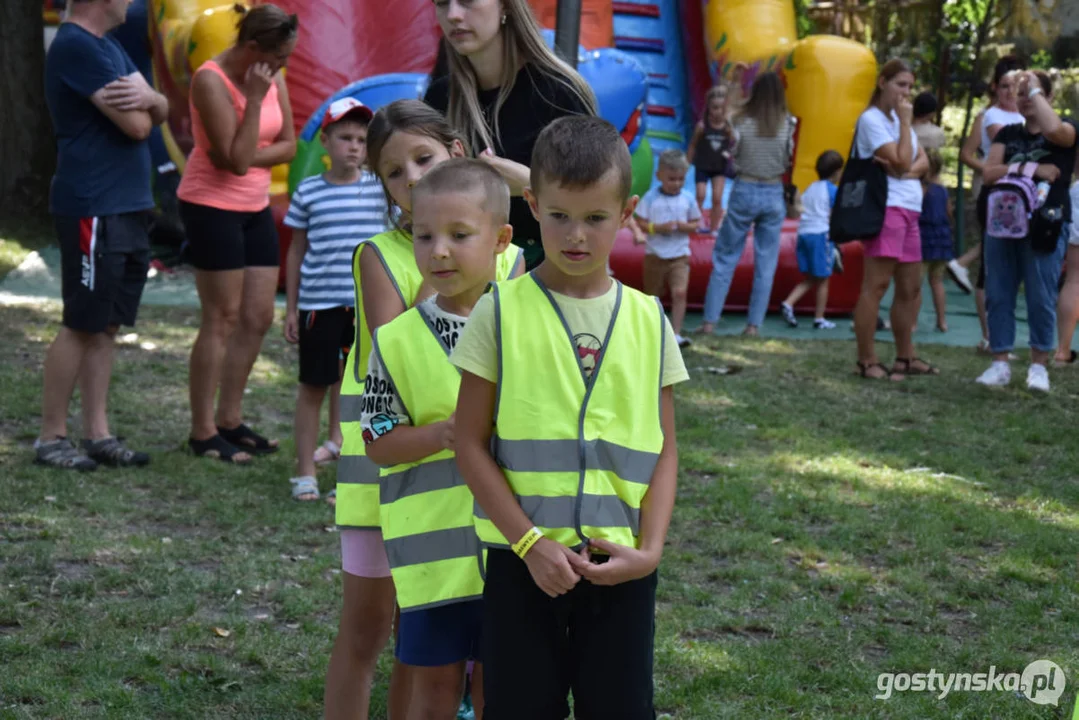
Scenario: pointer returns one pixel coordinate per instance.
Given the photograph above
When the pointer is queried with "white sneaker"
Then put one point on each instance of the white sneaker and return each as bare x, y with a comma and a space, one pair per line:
682, 341
999, 374
788, 314
1038, 378
961, 276
822, 324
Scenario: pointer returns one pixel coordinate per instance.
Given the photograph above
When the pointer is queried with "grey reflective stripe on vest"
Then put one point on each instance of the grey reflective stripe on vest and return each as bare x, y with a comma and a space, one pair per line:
433, 546
356, 470
561, 456
608, 511
352, 405
425, 478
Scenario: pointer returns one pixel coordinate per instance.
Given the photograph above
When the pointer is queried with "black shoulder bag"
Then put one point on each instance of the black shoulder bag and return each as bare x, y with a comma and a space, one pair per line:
861, 199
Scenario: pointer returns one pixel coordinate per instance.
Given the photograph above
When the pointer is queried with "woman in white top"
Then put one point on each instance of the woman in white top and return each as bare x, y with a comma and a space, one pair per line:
884, 132
1002, 111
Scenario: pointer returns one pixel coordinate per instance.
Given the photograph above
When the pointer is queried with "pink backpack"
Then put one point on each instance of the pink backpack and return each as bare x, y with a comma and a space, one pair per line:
1011, 202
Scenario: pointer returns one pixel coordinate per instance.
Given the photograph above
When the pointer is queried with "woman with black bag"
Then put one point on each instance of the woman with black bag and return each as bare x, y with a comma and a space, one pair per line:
886, 164
1043, 147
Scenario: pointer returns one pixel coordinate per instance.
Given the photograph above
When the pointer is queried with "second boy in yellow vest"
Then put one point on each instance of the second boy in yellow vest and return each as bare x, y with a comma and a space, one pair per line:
460, 212
565, 434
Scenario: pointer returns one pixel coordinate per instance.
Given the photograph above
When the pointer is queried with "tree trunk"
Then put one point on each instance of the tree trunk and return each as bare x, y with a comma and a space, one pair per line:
979, 40
27, 150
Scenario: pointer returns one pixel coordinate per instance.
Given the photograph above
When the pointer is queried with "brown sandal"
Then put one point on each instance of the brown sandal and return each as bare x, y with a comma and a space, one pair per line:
909, 368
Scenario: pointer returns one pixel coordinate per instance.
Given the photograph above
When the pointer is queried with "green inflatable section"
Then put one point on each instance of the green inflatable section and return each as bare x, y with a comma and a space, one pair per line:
311, 160
643, 168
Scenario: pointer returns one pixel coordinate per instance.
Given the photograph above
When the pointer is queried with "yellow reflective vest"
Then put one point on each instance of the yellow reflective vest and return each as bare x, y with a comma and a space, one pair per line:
578, 453
426, 507
358, 477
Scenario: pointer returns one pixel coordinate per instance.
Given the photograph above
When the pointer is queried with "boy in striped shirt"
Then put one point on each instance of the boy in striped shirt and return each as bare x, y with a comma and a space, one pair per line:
330, 215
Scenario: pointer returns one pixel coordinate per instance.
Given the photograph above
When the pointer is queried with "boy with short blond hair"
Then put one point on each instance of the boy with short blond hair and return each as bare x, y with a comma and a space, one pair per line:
460, 212
668, 214
565, 434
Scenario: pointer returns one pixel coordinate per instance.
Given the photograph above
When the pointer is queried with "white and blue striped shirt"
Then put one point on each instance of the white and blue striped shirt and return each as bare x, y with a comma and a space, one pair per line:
337, 218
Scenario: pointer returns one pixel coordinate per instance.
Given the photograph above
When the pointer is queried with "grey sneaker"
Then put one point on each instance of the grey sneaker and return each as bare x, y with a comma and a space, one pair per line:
62, 453
110, 451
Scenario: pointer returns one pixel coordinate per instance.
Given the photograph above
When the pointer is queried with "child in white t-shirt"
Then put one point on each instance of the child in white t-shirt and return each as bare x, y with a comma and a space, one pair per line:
668, 214
816, 253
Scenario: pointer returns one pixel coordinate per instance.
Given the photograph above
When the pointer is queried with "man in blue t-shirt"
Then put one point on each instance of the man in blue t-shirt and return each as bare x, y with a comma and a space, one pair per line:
102, 112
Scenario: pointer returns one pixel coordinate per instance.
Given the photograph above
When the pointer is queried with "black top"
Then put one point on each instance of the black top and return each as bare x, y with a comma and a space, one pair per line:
713, 148
535, 101
1020, 145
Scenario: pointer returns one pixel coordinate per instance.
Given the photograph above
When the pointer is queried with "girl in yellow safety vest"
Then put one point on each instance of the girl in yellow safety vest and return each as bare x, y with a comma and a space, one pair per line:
405, 139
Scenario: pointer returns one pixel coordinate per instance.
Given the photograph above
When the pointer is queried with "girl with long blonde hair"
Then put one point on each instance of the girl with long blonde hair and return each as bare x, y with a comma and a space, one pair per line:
504, 86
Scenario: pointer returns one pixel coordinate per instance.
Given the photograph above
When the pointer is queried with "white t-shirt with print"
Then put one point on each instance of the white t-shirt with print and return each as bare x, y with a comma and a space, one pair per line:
382, 409
660, 208
875, 130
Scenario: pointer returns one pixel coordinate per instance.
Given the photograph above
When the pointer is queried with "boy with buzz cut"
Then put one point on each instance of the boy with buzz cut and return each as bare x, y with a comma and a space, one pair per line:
330, 215
669, 214
460, 213
565, 434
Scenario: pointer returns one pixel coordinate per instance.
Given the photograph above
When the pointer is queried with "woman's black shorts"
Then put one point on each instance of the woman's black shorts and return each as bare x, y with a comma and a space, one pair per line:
228, 240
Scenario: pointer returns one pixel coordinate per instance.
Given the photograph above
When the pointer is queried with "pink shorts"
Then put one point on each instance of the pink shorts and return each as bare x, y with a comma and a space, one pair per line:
363, 554
899, 238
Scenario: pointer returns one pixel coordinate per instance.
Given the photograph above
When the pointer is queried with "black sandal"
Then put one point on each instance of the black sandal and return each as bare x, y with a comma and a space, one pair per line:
864, 368
911, 370
247, 440
218, 448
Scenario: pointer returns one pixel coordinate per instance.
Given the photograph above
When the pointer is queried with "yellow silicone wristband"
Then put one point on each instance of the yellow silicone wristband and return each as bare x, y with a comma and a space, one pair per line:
651, 228
530, 538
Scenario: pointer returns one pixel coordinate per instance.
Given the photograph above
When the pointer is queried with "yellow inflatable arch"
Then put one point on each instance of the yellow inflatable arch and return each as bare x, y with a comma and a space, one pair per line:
184, 34
828, 78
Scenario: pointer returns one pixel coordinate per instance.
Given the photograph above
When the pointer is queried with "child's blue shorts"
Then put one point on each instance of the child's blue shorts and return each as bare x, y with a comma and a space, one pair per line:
815, 255
441, 635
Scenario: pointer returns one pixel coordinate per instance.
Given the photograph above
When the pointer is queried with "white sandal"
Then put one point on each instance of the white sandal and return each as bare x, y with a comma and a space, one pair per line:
333, 450
302, 486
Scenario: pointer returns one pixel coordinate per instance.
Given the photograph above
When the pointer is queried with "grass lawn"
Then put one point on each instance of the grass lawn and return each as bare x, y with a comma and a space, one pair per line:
828, 529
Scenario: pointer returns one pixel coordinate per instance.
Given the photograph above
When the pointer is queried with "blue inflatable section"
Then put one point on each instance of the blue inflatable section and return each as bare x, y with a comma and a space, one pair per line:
652, 35
374, 92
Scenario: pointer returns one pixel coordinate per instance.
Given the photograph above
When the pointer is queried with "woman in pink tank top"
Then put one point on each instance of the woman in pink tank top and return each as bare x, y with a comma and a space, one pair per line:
242, 125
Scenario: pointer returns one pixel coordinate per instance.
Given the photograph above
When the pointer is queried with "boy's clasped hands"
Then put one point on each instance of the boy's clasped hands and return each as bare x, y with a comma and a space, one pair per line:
556, 569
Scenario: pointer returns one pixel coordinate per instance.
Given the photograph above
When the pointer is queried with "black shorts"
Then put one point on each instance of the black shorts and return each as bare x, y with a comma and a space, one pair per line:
706, 174
980, 282
596, 641
103, 264
325, 339
227, 240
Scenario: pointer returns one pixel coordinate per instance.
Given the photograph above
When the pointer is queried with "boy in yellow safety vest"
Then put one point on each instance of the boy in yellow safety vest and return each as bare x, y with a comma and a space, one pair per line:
460, 211
565, 435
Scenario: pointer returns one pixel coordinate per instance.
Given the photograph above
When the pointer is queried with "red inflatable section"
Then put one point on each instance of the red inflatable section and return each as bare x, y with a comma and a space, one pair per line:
697, 73
342, 41
843, 288
597, 20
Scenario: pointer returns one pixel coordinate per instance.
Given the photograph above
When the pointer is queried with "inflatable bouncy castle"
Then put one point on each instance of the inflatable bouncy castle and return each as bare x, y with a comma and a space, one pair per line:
649, 62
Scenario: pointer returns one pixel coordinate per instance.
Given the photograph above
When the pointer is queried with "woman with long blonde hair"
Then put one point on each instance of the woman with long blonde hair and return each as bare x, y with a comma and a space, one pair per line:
504, 86
764, 134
